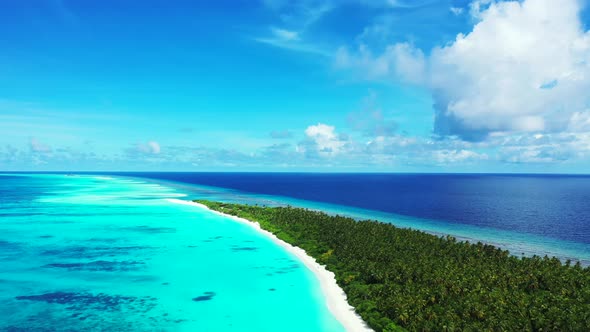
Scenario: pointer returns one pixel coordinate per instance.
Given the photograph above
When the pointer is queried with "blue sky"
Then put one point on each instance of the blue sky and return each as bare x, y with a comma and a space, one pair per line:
310, 85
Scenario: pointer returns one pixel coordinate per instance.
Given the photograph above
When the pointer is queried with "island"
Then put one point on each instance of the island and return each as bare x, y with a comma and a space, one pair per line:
402, 279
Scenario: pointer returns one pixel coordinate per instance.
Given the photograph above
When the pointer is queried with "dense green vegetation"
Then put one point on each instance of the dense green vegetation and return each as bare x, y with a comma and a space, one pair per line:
399, 277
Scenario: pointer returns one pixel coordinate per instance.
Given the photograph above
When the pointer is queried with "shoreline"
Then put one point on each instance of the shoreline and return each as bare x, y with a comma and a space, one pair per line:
336, 299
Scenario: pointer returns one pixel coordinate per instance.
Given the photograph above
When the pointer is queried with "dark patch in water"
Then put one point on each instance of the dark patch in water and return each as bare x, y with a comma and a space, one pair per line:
272, 289
105, 266
107, 240
46, 236
22, 329
145, 279
165, 283
207, 296
87, 301
244, 249
150, 229
9, 249
93, 252
215, 238
287, 269
6, 245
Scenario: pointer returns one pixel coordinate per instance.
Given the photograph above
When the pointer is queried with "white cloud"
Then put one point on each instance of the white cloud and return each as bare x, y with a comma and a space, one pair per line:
525, 67
493, 78
324, 139
151, 147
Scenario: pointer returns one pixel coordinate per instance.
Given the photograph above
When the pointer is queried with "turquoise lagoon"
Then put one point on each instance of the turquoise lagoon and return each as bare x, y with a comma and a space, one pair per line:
93, 253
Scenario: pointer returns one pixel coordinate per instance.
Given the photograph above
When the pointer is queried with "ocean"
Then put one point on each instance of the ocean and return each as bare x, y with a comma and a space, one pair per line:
109, 252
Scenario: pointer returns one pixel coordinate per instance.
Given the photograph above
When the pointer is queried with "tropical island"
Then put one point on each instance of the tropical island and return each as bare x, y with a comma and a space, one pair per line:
403, 279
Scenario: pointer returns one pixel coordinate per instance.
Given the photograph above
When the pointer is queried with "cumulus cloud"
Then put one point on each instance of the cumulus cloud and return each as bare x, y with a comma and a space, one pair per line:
525, 67
323, 140
324, 136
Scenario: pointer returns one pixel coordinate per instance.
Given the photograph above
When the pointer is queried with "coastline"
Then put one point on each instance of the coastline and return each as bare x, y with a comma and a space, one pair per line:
336, 299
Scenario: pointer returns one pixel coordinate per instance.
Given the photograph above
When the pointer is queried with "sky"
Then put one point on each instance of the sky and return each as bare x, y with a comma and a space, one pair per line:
302, 86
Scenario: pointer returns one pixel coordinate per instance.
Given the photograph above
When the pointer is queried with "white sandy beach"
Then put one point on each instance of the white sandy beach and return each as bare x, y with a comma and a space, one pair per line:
335, 296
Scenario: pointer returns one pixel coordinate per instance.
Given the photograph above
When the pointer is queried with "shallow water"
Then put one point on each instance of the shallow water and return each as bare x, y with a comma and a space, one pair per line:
102, 253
